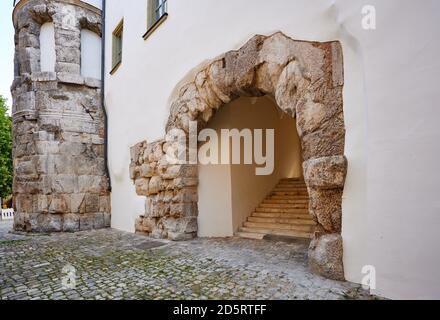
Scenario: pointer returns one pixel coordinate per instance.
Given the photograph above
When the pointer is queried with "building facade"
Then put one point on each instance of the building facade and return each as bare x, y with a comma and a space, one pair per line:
348, 86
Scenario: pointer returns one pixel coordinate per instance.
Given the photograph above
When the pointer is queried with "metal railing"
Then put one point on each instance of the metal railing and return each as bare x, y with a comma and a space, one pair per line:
7, 214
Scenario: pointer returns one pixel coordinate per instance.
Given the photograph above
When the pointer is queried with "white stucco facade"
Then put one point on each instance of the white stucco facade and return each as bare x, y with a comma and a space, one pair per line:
391, 207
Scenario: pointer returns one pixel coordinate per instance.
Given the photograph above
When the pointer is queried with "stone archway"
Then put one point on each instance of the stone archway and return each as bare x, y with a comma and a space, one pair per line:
306, 79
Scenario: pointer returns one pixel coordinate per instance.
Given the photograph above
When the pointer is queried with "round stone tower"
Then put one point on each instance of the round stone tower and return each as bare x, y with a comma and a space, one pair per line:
60, 180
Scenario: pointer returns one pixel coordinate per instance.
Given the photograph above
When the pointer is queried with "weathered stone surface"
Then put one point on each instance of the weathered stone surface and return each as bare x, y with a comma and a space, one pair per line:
142, 187
326, 256
306, 79
326, 173
60, 182
71, 223
155, 186
326, 208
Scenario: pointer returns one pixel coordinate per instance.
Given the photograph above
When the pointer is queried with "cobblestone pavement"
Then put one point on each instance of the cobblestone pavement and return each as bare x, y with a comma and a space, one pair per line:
110, 264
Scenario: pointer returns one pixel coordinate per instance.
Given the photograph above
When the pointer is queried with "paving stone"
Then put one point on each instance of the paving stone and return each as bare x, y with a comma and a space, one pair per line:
110, 264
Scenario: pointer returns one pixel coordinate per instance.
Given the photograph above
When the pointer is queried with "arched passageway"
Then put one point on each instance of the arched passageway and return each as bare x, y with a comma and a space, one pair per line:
306, 80
229, 193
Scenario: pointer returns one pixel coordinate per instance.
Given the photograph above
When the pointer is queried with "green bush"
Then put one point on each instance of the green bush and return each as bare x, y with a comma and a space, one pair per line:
6, 170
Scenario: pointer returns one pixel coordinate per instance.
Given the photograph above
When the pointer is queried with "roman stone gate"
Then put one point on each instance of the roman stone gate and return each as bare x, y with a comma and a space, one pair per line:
306, 80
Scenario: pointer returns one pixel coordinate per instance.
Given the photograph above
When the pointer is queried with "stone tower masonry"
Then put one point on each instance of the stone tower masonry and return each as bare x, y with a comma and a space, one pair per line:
60, 182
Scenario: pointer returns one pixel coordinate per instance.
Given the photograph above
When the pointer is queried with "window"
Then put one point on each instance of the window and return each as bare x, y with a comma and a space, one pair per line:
117, 46
157, 13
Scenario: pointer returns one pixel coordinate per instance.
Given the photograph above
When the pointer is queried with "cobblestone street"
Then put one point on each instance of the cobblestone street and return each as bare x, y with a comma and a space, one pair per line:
110, 264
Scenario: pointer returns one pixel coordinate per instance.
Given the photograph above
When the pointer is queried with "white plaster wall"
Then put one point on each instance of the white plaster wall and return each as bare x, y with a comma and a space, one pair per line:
390, 212
228, 194
215, 208
47, 47
90, 54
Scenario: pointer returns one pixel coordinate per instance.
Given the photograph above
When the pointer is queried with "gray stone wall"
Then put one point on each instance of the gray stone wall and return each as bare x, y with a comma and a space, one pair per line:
60, 181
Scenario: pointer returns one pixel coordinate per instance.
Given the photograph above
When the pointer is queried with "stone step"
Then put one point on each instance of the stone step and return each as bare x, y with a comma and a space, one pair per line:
279, 226
285, 201
287, 198
284, 205
293, 188
305, 216
293, 183
308, 222
285, 233
281, 210
292, 179
290, 194
298, 189
250, 235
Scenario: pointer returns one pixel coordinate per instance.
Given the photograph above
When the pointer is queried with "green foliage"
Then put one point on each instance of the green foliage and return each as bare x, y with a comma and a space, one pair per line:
6, 170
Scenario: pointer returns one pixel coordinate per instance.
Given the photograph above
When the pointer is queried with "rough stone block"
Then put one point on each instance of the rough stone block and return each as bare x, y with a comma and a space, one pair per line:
71, 223
326, 208
142, 187
92, 203
326, 173
60, 204
326, 256
180, 210
155, 185
86, 222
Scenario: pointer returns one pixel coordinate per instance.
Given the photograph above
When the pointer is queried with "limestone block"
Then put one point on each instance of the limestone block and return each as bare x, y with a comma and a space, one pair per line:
107, 219
104, 204
186, 195
326, 256
328, 141
78, 203
68, 38
146, 170
134, 171
183, 210
326, 208
71, 223
326, 173
66, 68
68, 54
42, 203
91, 184
136, 151
159, 210
181, 229
92, 203
98, 220
64, 183
290, 88
180, 183
86, 222
155, 185
60, 204
142, 187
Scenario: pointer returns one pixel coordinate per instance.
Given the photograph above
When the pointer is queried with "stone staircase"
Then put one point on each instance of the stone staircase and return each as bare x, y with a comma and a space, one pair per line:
285, 212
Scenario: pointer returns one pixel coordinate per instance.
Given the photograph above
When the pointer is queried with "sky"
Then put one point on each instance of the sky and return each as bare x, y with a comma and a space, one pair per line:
6, 49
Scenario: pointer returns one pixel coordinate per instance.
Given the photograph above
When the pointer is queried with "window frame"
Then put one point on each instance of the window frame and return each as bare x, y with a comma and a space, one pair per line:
117, 38
154, 20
